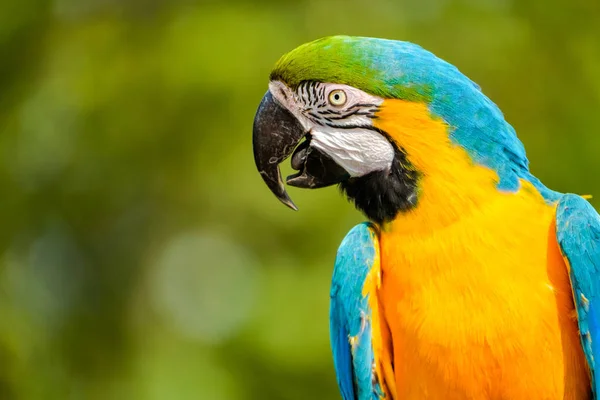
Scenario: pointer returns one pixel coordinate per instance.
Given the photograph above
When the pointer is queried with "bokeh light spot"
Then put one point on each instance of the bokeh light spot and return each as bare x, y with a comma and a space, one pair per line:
204, 285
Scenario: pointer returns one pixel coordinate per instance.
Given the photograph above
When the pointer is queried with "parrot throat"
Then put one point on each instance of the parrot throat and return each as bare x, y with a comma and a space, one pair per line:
381, 195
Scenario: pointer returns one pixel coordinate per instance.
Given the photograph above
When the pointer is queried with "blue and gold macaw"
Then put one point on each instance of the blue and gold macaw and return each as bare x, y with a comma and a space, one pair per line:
471, 280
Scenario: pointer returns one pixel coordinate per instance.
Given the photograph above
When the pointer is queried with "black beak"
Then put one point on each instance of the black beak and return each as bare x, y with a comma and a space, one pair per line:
275, 135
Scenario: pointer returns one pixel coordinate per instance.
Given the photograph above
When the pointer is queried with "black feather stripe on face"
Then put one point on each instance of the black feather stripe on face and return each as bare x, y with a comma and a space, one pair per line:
312, 96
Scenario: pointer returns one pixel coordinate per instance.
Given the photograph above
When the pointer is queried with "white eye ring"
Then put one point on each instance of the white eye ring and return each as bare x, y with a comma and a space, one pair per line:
337, 97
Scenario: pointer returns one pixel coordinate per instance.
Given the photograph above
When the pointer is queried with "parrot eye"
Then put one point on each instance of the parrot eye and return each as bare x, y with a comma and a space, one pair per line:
337, 97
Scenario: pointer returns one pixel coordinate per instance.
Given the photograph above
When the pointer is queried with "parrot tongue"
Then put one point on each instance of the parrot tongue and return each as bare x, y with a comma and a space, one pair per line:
316, 169
300, 154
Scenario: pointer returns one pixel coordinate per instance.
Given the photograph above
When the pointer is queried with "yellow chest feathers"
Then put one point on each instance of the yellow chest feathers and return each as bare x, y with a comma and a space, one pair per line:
482, 308
473, 289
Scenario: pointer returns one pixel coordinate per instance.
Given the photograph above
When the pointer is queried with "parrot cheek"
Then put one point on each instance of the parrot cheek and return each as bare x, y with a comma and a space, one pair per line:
358, 150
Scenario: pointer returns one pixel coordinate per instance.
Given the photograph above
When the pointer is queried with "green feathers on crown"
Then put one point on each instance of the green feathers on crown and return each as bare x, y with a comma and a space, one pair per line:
363, 63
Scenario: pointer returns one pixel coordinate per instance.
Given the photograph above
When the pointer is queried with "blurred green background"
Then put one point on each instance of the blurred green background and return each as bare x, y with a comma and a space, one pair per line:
143, 257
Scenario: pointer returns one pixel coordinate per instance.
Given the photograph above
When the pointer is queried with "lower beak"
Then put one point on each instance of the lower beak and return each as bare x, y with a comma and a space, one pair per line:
276, 134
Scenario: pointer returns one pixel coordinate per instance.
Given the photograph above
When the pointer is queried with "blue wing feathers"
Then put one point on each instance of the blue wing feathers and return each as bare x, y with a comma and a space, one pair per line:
349, 316
578, 235
341, 351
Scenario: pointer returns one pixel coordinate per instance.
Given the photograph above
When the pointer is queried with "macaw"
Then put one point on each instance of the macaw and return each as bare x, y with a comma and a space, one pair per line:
471, 279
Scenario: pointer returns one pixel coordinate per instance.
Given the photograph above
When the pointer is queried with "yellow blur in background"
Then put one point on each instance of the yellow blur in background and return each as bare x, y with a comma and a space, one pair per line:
142, 255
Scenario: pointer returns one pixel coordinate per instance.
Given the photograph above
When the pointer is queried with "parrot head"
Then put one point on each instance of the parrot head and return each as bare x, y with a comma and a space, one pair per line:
378, 117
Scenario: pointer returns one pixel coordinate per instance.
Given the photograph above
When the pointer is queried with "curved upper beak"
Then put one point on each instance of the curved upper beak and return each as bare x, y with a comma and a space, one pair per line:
276, 133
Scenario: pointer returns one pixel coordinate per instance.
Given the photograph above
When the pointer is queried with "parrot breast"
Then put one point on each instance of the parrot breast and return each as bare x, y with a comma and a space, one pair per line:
471, 320
475, 291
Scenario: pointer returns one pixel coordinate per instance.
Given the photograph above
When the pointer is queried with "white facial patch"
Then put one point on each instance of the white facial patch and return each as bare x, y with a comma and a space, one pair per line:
358, 151
340, 132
